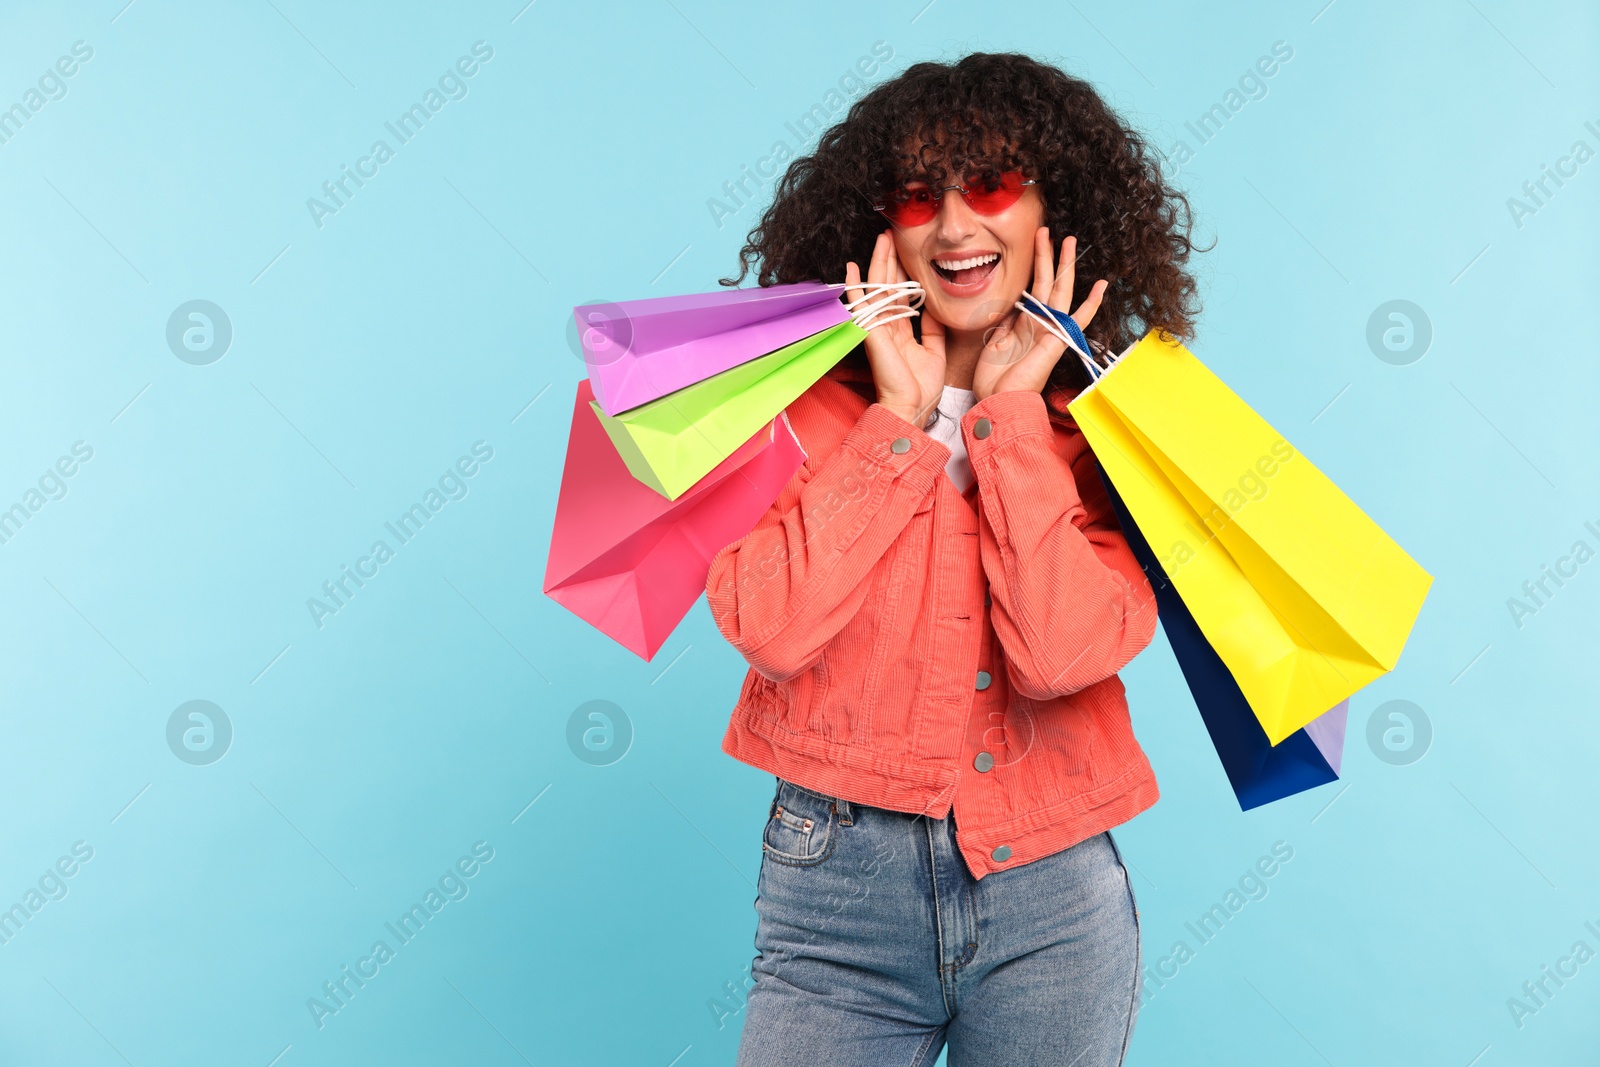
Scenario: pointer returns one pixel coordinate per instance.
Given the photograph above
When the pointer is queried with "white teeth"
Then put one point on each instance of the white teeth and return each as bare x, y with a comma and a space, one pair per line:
963, 264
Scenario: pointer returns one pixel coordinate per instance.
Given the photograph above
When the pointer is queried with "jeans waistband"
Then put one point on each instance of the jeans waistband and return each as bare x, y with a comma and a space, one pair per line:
840, 804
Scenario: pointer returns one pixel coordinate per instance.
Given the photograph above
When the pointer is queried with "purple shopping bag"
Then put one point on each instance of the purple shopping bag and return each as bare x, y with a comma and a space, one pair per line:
640, 350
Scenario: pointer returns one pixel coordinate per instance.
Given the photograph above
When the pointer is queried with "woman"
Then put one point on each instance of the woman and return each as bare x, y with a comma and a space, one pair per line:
935, 608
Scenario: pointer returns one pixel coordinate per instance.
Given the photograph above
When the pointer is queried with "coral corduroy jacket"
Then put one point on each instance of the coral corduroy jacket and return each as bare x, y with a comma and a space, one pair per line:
916, 648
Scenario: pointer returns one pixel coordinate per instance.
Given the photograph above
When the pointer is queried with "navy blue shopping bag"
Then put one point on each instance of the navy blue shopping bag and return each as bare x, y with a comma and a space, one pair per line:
1258, 771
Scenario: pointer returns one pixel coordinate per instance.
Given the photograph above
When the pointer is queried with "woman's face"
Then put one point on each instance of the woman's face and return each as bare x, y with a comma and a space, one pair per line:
972, 267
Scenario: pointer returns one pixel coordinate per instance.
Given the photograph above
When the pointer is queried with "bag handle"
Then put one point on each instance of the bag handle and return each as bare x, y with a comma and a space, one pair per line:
879, 302
1065, 329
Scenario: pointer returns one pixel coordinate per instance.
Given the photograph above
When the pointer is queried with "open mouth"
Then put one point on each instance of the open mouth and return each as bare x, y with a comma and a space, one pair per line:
966, 271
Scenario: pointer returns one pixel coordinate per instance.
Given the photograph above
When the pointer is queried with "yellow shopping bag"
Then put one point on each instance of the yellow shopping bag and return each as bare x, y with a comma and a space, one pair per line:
1301, 594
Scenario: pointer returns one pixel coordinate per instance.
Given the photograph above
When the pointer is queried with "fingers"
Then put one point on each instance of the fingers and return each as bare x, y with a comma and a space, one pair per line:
887, 336
1061, 295
1007, 340
896, 271
932, 335
900, 329
1043, 274
852, 282
1041, 342
1022, 330
1057, 290
1091, 304
1003, 333
882, 249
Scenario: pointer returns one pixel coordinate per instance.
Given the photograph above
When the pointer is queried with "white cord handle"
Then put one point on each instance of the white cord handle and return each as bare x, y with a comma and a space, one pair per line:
1060, 333
879, 303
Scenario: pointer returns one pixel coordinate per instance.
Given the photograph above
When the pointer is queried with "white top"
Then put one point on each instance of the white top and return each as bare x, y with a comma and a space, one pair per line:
946, 427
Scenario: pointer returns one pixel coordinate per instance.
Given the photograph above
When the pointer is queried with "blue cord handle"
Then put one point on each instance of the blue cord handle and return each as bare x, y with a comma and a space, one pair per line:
1068, 323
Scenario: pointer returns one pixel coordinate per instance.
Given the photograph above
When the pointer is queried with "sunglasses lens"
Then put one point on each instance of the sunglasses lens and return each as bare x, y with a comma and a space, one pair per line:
995, 195
911, 207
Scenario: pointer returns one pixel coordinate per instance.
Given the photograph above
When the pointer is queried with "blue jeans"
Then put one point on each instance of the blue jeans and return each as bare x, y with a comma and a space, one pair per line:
877, 946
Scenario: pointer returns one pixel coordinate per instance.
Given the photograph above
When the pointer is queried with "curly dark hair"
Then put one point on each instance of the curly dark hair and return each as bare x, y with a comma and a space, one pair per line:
984, 113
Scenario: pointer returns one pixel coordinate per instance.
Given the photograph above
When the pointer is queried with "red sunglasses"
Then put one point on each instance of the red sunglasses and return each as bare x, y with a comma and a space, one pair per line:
913, 207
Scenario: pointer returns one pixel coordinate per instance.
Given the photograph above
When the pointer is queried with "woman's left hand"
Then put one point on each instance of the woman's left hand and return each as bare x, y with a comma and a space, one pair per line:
1021, 353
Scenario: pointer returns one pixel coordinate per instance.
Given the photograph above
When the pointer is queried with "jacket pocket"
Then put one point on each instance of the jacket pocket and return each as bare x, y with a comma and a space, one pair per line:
802, 826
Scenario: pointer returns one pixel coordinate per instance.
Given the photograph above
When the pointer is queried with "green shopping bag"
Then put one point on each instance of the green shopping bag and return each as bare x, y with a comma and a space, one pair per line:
671, 443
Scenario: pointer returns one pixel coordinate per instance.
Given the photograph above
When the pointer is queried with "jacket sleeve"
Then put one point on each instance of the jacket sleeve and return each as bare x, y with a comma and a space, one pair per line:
784, 590
1071, 605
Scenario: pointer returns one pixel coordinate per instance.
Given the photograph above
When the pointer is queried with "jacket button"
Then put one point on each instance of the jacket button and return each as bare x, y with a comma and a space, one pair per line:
981, 428
983, 679
901, 445
1001, 854
984, 761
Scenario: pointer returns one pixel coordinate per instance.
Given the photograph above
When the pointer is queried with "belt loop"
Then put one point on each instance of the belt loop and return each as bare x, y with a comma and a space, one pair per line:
842, 806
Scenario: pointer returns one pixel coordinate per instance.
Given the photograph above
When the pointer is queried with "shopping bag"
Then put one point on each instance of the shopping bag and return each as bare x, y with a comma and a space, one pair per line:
1258, 771
1302, 596
637, 351
670, 443
629, 561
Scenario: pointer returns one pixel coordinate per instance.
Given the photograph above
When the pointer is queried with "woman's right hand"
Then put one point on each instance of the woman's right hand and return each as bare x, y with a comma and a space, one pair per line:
909, 376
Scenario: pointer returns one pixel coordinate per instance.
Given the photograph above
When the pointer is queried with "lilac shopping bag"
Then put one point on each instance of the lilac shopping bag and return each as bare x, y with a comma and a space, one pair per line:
641, 350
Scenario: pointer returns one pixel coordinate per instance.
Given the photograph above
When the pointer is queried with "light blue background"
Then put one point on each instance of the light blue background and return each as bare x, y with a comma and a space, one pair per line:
430, 313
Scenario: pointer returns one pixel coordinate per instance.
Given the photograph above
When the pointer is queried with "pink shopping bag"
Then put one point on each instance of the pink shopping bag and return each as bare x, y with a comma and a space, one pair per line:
637, 351
630, 562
